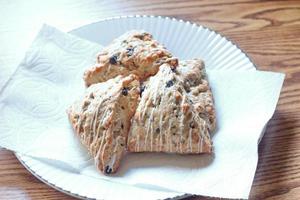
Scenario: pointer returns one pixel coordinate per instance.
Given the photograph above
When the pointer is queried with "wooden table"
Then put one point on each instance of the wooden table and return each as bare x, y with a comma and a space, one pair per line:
269, 31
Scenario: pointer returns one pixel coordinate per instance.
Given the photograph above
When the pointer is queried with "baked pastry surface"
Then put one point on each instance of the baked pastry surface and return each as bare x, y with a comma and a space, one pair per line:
140, 99
176, 112
135, 52
102, 117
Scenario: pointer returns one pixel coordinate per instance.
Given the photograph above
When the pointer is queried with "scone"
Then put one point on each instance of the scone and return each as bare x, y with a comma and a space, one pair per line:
176, 112
134, 52
102, 119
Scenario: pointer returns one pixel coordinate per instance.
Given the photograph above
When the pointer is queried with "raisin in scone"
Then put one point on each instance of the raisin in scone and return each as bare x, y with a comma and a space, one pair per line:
134, 52
176, 112
102, 119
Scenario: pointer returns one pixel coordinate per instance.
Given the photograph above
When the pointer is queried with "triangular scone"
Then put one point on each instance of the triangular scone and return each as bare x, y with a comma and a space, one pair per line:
176, 112
102, 119
134, 52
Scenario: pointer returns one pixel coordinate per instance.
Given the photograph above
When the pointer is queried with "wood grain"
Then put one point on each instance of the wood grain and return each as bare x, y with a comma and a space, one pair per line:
269, 31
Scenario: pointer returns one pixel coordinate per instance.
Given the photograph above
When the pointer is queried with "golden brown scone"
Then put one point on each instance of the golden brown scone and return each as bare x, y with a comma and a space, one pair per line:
134, 52
102, 119
176, 112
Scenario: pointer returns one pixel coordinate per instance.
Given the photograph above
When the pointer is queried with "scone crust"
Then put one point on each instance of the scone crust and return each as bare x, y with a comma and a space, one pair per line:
176, 112
102, 119
135, 52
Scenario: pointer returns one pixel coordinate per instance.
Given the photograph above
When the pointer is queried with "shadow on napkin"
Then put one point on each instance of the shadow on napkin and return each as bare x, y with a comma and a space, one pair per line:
132, 161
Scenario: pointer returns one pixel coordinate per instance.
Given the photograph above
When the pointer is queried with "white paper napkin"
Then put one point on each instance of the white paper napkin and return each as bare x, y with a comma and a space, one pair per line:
34, 122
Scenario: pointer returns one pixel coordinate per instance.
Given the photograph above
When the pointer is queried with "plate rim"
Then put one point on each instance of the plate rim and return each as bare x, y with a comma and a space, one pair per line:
23, 162
67, 192
168, 18
21, 157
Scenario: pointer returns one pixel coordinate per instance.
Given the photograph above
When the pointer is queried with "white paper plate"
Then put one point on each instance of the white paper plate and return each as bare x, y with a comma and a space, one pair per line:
185, 40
